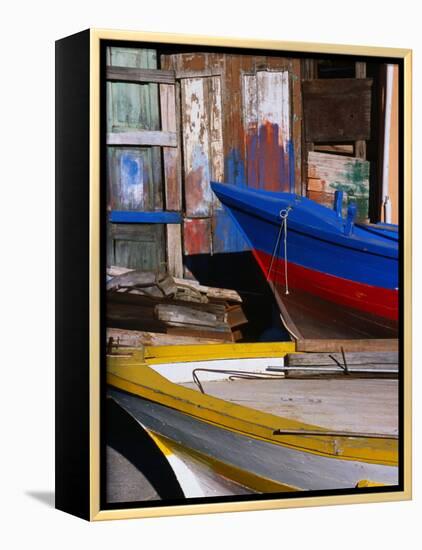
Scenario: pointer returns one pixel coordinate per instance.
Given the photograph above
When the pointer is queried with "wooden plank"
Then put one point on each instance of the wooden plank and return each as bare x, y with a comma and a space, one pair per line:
196, 148
342, 149
360, 145
174, 250
250, 121
171, 155
175, 315
130, 74
143, 137
137, 338
225, 294
172, 178
236, 316
362, 358
297, 121
124, 216
144, 301
197, 74
337, 110
310, 345
215, 121
222, 335
328, 173
167, 354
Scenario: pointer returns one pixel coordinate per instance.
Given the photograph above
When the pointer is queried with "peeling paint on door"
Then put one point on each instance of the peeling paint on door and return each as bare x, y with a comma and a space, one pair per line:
266, 108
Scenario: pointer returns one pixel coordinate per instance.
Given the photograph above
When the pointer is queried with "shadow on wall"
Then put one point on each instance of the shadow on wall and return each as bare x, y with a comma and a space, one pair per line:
239, 271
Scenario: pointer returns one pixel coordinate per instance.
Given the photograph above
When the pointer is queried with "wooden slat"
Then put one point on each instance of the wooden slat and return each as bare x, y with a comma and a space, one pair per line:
125, 216
197, 74
365, 358
143, 137
342, 149
174, 250
175, 315
225, 294
172, 177
337, 110
336, 345
137, 338
131, 74
171, 155
224, 335
360, 145
196, 141
215, 120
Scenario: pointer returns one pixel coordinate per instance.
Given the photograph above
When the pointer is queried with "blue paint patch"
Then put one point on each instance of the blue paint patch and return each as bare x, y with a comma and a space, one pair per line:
227, 236
124, 216
234, 168
130, 170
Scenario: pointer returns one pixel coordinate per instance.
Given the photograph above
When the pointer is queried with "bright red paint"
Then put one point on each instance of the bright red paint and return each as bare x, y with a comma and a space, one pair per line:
371, 299
197, 235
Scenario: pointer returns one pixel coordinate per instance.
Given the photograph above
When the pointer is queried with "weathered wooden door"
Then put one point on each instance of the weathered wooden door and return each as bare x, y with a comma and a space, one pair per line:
268, 141
142, 157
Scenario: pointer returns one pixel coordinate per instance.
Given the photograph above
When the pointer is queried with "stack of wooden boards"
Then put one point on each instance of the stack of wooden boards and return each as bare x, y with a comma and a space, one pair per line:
160, 304
354, 364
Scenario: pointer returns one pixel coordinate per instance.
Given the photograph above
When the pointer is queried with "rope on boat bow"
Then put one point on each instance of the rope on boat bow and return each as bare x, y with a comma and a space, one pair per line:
284, 214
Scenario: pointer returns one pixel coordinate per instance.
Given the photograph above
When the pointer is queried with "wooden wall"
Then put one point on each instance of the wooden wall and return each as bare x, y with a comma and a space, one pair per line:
241, 123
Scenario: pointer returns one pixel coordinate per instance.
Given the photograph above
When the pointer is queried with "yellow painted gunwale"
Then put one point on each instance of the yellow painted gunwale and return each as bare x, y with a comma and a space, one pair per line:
130, 374
206, 352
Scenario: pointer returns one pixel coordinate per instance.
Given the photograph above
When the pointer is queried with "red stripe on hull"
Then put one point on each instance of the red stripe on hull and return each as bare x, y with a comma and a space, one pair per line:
371, 299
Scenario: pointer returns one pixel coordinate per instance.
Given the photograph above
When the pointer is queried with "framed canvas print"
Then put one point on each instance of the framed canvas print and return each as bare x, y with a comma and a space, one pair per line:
233, 274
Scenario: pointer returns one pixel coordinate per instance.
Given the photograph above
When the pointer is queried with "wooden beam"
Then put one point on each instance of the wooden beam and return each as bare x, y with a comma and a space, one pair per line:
130, 74
197, 74
174, 250
312, 345
126, 216
136, 338
370, 359
143, 137
172, 177
360, 145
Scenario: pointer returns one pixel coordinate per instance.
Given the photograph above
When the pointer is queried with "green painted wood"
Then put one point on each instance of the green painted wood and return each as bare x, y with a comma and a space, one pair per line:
137, 246
135, 179
132, 106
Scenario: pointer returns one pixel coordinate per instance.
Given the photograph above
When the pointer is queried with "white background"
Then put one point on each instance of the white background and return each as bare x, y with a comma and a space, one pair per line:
28, 31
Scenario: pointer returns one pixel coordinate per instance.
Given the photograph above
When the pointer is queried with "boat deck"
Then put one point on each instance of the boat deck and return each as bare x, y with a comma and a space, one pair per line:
358, 405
